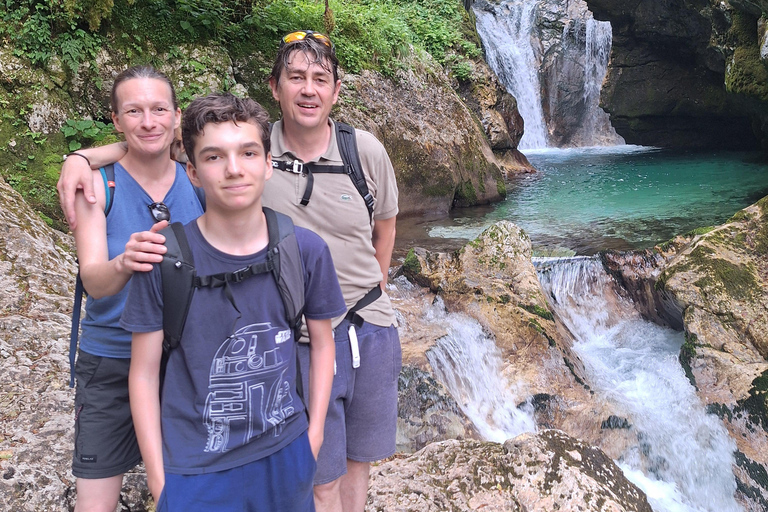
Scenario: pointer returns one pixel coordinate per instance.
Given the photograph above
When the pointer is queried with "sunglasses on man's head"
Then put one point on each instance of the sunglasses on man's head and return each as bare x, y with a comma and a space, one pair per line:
300, 35
160, 211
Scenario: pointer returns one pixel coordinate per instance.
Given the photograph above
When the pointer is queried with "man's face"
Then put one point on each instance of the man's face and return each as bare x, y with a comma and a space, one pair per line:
230, 165
306, 91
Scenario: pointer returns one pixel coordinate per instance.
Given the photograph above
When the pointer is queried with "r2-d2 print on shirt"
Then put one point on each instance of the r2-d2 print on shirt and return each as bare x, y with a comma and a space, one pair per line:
248, 386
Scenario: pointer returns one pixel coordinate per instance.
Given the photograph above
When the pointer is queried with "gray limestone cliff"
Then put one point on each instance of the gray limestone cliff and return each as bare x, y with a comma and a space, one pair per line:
687, 73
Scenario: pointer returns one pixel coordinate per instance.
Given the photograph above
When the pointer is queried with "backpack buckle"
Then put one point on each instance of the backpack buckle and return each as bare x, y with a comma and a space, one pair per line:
239, 275
297, 168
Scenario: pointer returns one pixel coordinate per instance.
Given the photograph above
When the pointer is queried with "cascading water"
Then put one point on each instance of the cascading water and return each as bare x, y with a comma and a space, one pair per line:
555, 77
506, 34
684, 459
469, 365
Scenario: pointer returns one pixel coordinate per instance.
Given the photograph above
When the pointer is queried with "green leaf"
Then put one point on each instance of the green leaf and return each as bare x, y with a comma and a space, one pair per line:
74, 145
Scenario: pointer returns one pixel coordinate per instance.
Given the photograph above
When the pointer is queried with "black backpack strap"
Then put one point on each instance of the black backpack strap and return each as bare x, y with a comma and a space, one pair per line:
75, 330
346, 140
108, 175
178, 274
287, 268
368, 298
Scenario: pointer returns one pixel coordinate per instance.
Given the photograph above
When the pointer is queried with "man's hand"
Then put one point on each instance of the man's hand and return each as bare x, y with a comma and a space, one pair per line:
75, 175
143, 249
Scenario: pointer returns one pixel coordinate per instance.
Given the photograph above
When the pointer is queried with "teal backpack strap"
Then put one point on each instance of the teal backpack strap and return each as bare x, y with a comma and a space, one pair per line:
199, 192
108, 175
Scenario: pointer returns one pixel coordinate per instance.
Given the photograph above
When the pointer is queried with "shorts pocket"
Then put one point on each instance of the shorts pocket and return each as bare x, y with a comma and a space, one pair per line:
86, 367
162, 502
397, 355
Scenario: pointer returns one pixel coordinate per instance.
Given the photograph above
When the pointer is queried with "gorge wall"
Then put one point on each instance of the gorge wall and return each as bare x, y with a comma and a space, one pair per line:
687, 73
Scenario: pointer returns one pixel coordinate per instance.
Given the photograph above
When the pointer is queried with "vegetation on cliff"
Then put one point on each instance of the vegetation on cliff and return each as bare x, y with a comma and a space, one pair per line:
50, 48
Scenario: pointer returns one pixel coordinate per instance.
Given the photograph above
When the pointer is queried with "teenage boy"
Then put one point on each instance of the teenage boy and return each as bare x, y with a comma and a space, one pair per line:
362, 417
228, 430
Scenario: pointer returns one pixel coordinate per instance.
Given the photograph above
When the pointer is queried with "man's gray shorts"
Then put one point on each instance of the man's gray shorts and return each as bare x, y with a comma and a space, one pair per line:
362, 416
105, 442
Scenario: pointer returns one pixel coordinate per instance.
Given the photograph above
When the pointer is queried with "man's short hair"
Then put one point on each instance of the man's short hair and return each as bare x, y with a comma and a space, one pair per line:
316, 51
220, 108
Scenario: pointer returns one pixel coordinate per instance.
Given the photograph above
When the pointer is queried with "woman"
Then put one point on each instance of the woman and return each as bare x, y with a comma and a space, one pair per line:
149, 188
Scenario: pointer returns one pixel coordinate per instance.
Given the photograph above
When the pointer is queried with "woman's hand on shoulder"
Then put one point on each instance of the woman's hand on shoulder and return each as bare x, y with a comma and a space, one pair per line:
143, 249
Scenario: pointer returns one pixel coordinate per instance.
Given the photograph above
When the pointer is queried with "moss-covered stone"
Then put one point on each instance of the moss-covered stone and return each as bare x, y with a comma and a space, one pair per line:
411, 265
687, 353
538, 311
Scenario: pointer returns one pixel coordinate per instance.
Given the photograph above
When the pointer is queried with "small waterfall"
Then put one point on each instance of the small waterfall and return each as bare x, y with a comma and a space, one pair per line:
469, 364
505, 30
555, 77
684, 459
596, 124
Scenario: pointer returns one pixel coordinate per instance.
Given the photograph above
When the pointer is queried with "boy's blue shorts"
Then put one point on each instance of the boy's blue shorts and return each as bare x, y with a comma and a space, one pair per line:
281, 482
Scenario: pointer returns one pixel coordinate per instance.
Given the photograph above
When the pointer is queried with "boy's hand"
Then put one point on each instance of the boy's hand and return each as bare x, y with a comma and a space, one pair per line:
75, 175
143, 249
156, 483
316, 435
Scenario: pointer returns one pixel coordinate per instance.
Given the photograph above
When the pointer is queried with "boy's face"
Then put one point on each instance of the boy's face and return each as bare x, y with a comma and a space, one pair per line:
306, 91
230, 165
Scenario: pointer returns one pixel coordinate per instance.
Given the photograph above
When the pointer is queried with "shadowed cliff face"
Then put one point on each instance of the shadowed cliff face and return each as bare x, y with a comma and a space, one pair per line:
685, 74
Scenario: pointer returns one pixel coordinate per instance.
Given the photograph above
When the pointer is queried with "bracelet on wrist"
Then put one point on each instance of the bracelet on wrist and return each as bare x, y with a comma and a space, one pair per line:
78, 154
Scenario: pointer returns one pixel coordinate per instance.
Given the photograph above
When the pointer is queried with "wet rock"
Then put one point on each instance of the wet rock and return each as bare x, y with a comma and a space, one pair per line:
532, 472
441, 155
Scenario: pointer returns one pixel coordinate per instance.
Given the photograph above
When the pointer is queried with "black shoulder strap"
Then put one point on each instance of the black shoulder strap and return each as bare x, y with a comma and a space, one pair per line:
287, 268
178, 273
346, 140
108, 173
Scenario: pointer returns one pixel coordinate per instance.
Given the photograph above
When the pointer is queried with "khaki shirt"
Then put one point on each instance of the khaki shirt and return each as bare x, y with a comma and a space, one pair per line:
337, 213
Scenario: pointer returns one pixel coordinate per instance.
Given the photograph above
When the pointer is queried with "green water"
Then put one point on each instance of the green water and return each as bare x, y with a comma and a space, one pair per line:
622, 197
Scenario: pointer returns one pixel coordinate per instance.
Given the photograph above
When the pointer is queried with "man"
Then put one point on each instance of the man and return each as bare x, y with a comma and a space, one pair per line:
362, 415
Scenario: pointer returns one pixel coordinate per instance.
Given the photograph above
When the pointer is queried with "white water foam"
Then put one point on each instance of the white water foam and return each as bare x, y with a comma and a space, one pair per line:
506, 36
469, 364
684, 459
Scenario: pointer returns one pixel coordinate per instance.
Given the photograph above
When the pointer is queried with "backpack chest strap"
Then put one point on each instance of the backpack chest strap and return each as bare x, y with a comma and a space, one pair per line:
218, 280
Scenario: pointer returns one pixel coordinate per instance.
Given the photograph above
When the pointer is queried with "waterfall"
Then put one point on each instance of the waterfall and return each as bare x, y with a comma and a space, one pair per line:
469, 365
505, 30
684, 458
555, 77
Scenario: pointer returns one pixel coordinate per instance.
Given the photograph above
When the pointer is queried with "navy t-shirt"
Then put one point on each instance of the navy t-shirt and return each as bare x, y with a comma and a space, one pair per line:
229, 396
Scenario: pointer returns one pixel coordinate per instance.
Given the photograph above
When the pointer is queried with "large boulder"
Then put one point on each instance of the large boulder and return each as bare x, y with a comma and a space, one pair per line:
441, 155
532, 472
37, 269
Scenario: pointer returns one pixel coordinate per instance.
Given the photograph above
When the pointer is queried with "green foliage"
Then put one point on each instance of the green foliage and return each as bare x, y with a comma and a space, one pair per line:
462, 70
86, 131
39, 29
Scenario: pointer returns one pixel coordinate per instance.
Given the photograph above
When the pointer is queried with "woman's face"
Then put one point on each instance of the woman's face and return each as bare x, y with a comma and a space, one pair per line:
145, 114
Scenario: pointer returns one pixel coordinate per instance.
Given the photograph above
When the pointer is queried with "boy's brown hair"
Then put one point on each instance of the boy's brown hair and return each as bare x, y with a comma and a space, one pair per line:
219, 108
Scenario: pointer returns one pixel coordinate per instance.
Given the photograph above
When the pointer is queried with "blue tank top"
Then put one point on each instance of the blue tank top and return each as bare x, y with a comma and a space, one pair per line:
101, 333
